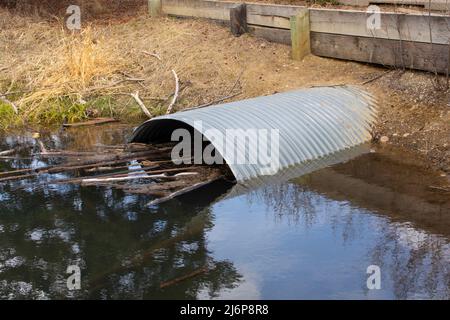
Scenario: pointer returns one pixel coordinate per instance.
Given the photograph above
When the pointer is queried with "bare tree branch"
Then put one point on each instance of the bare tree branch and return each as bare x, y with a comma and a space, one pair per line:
152, 55
175, 96
141, 104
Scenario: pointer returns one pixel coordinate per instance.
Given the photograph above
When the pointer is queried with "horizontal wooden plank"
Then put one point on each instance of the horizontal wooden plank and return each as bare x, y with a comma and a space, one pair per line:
271, 15
356, 3
413, 55
442, 5
396, 26
271, 34
217, 10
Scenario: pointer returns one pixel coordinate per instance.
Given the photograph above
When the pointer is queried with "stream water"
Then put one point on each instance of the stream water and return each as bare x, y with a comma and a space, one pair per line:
311, 237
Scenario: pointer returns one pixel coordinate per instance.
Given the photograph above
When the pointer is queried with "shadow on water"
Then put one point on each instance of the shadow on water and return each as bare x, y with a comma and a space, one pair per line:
310, 237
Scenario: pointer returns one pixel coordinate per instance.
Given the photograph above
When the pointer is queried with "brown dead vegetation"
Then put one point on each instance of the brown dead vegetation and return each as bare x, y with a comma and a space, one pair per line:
90, 9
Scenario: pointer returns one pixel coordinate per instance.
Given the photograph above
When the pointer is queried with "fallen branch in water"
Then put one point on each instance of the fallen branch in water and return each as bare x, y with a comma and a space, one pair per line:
91, 122
15, 158
192, 274
137, 176
115, 159
141, 104
145, 163
7, 152
20, 177
182, 191
122, 174
63, 154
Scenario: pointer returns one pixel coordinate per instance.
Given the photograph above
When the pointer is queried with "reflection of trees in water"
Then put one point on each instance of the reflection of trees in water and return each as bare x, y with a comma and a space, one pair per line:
286, 201
124, 251
417, 262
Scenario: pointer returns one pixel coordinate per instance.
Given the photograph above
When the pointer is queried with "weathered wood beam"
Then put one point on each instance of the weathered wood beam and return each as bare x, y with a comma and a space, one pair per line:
300, 42
238, 19
394, 26
271, 15
407, 54
271, 34
154, 8
215, 10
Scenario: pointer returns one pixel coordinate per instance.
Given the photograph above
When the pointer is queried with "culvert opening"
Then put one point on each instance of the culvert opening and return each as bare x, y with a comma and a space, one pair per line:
189, 146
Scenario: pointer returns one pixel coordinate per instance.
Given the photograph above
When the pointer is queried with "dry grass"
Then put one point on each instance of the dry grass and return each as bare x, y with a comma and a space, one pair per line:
91, 9
77, 64
48, 66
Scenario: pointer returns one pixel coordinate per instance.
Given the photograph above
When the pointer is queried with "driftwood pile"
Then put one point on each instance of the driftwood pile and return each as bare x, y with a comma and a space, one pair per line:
134, 168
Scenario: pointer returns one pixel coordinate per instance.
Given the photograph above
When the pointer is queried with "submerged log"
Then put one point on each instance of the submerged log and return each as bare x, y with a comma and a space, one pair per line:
185, 277
137, 176
92, 122
91, 163
182, 191
7, 152
135, 168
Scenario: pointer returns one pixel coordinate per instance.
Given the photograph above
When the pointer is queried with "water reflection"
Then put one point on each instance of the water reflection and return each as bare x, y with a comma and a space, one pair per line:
123, 249
325, 228
312, 237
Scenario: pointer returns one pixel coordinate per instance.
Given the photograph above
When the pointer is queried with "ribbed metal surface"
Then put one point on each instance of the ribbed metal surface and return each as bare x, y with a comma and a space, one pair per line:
313, 123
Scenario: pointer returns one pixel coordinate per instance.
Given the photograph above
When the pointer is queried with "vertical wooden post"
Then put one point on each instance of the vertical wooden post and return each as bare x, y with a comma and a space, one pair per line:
154, 8
300, 41
238, 19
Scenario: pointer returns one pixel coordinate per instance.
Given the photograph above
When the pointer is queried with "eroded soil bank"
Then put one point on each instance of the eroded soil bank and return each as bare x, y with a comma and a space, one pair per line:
210, 63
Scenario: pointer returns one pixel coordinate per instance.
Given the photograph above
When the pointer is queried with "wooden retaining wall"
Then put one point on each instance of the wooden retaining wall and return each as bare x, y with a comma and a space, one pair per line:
441, 5
416, 41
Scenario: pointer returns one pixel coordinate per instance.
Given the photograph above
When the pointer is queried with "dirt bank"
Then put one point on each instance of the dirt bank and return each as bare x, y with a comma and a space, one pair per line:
210, 63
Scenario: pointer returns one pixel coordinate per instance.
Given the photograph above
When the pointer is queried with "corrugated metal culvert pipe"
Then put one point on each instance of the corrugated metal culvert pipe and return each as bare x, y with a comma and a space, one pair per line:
311, 124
